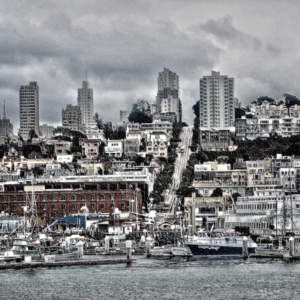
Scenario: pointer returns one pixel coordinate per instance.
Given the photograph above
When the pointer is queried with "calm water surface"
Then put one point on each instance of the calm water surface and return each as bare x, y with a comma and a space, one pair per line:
158, 279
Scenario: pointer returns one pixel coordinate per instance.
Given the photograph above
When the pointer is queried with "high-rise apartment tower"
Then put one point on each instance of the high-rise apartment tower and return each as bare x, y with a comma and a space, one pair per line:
29, 108
167, 99
86, 104
216, 109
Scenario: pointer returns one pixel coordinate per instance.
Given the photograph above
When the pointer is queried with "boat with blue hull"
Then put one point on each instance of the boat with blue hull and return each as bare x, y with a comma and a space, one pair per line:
218, 243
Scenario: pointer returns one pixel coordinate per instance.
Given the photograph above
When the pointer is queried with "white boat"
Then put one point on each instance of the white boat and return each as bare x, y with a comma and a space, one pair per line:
171, 251
218, 243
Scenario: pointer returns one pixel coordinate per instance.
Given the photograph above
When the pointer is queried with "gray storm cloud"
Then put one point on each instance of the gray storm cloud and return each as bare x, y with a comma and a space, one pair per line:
123, 45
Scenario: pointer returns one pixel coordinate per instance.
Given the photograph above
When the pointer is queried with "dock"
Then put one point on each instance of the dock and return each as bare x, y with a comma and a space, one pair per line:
34, 265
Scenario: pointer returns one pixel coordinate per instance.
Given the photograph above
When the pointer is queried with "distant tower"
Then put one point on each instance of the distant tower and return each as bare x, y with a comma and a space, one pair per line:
4, 111
6, 127
86, 103
167, 99
29, 108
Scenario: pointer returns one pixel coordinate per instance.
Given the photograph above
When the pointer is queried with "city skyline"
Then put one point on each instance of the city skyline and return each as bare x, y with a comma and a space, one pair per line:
48, 44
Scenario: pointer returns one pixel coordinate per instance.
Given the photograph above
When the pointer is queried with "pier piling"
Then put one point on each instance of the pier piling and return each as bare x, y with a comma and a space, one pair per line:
292, 246
245, 247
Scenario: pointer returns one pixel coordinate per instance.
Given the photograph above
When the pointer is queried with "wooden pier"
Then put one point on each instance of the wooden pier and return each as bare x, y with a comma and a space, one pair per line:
34, 265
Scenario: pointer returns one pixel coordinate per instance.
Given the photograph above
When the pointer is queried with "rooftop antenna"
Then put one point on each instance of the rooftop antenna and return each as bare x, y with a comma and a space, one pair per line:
4, 111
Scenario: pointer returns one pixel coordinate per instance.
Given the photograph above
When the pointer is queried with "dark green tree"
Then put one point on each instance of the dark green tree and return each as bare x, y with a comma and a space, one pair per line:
218, 192
239, 112
28, 149
260, 100
140, 112
31, 134
291, 100
99, 121
196, 109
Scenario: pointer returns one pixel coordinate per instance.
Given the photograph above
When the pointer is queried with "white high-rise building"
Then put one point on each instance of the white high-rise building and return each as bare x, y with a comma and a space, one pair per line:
216, 109
29, 109
86, 104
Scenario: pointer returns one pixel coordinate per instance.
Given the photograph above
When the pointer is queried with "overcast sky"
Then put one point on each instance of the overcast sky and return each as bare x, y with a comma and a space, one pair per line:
124, 44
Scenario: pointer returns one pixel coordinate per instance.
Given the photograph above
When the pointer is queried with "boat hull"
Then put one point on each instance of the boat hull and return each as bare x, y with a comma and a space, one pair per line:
218, 250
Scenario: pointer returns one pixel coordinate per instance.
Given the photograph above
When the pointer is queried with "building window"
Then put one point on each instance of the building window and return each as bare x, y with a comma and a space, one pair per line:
15, 207
73, 206
4, 207
4, 199
44, 207
63, 197
123, 206
73, 197
112, 197
53, 215
82, 197
44, 198
93, 206
24, 198
112, 206
102, 206
102, 197
54, 207
63, 206
14, 198
123, 197
54, 198
93, 197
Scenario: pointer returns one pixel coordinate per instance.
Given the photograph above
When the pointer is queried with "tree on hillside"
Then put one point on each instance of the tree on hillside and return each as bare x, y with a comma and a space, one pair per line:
31, 134
107, 130
235, 196
99, 121
218, 192
61, 130
291, 100
141, 112
196, 109
260, 100
222, 159
239, 112
34, 149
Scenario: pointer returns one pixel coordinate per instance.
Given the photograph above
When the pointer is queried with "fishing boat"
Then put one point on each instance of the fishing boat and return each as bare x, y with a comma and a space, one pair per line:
170, 251
218, 243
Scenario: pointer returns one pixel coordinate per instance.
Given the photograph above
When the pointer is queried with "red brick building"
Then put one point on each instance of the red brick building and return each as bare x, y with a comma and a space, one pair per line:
58, 199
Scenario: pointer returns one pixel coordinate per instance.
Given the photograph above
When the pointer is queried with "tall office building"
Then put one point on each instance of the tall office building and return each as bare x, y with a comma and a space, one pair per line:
86, 104
168, 93
29, 109
216, 109
72, 117
6, 126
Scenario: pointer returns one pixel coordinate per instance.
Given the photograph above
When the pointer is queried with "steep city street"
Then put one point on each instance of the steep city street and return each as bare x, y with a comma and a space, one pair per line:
181, 161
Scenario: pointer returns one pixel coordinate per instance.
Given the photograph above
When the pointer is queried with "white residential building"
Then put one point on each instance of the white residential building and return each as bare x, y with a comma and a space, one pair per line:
114, 148
67, 158
216, 109
86, 104
29, 109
